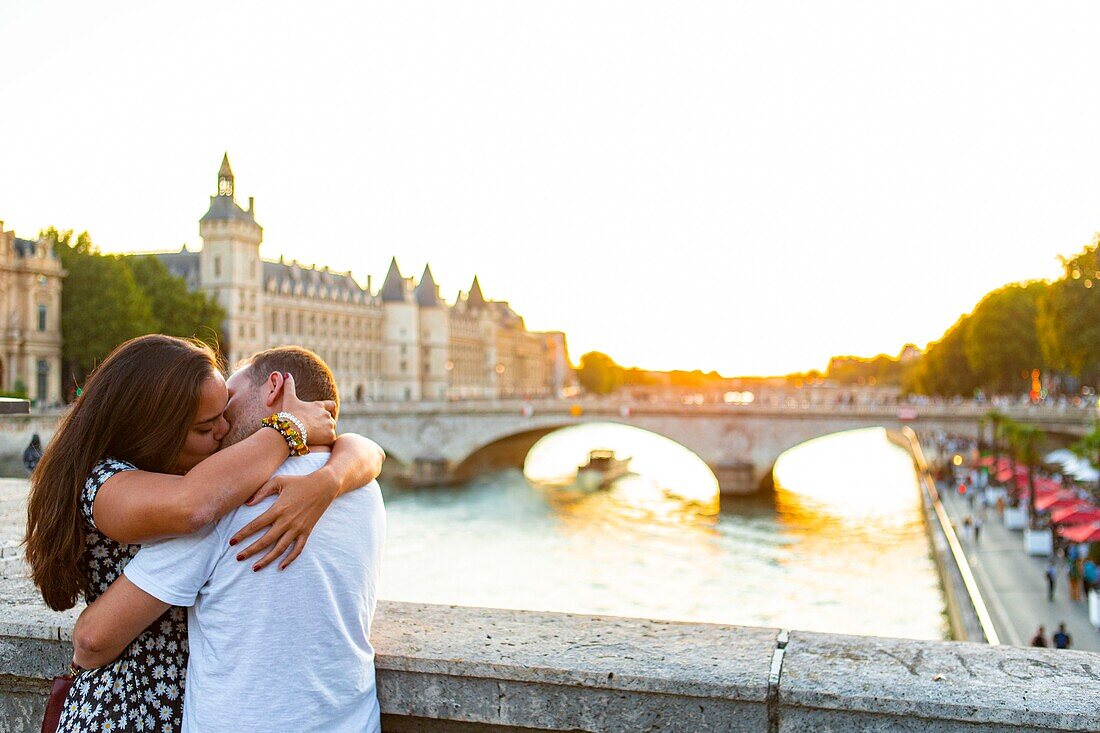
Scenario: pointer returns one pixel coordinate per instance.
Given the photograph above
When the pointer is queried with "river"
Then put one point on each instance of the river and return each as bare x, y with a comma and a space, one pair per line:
839, 546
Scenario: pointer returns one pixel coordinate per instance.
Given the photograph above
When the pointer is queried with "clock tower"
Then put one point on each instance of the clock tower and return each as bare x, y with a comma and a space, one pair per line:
230, 267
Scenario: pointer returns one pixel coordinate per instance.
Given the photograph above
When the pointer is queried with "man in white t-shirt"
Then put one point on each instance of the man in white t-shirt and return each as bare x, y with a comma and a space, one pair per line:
270, 651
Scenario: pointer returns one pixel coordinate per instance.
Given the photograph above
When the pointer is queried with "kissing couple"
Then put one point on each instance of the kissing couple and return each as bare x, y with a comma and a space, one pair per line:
143, 504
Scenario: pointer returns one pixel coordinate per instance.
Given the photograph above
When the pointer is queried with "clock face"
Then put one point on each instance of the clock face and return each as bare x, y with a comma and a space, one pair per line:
225, 187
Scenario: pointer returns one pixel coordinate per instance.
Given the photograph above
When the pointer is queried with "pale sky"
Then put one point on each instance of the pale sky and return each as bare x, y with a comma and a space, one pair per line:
746, 187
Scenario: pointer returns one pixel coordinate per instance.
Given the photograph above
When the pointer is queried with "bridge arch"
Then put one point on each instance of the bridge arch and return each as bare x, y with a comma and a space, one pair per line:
503, 451
512, 450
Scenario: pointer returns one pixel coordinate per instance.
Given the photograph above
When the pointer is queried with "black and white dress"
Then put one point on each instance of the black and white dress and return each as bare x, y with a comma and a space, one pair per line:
142, 690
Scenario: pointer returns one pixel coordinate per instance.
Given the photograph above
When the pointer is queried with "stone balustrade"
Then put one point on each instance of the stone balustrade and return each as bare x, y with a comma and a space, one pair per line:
446, 668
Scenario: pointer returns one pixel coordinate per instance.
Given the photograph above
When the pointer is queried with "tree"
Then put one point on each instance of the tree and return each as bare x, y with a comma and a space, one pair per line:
177, 311
944, 368
101, 305
882, 369
1002, 343
1089, 448
599, 374
994, 418
1069, 316
1025, 441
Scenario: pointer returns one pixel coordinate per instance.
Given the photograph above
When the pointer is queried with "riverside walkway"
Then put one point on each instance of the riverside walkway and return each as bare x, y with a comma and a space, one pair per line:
1013, 584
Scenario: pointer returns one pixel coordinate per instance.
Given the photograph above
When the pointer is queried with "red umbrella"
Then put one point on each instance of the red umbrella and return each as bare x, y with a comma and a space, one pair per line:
1004, 475
1057, 499
987, 461
1045, 484
1081, 533
1081, 513
1041, 491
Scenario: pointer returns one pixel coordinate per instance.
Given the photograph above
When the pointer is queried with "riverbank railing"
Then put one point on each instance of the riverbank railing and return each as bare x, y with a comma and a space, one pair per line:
958, 555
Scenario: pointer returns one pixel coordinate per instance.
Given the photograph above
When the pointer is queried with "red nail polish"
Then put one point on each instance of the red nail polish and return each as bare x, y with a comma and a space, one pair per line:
255, 568
240, 557
232, 542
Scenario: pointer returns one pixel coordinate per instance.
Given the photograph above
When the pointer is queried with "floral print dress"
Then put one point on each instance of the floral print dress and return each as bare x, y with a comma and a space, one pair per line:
142, 690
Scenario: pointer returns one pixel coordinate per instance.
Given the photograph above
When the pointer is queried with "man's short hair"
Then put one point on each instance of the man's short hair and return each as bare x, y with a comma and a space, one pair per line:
313, 379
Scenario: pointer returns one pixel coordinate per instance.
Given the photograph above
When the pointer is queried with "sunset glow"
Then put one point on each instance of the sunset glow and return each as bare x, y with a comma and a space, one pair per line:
749, 188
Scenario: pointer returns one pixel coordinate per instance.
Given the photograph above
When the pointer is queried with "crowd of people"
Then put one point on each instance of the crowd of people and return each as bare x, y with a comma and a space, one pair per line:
1077, 563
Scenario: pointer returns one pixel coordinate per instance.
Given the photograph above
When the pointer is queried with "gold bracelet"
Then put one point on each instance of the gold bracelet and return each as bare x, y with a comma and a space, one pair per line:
289, 430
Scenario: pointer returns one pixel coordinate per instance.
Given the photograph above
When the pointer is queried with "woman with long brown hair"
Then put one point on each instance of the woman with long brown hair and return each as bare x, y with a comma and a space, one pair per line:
136, 459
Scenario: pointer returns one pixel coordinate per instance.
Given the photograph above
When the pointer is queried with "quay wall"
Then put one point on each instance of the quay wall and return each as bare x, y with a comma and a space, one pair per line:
449, 669
966, 608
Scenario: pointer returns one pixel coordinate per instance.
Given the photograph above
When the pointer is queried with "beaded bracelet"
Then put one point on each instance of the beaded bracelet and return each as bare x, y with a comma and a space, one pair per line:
289, 430
298, 423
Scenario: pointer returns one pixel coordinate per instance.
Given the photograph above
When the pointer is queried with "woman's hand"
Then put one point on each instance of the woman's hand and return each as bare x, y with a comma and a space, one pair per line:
302, 500
318, 417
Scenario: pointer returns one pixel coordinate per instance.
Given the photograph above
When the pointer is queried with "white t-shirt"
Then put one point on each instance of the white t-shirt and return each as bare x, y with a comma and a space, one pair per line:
277, 650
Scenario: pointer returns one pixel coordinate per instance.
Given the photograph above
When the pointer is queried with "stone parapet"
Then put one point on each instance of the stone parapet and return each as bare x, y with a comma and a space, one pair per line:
548, 671
450, 669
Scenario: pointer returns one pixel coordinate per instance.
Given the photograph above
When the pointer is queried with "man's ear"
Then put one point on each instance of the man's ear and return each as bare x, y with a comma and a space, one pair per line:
273, 389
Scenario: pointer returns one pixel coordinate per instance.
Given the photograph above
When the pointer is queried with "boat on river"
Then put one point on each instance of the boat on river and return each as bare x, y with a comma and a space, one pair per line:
601, 470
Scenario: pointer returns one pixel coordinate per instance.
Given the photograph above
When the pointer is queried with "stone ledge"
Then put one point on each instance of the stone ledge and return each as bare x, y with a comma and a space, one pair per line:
451, 669
546, 671
666, 657
939, 683
24, 615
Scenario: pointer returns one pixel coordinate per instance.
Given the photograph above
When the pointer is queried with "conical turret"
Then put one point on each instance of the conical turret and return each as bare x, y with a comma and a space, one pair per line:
427, 292
393, 289
476, 297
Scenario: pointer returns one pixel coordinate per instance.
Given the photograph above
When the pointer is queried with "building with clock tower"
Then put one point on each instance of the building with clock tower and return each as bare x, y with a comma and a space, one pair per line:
230, 268
402, 343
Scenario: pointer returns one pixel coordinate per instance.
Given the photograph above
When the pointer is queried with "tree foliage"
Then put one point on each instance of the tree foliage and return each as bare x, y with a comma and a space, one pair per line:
882, 369
108, 299
599, 374
101, 304
176, 310
1088, 447
1002, 344
994, 349
944, 368
1024, 441
1069, 316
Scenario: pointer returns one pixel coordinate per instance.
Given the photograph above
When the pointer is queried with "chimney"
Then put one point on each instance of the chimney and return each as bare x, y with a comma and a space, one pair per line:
251, 204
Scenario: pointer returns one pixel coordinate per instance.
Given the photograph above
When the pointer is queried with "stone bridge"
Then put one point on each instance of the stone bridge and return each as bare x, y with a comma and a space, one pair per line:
448, 441
740, 443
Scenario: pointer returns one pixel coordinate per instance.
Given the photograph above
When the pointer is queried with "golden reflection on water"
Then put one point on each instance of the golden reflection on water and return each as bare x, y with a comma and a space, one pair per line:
858, 530
668, 502
839, 546
876, 497
630, 502
666, 476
